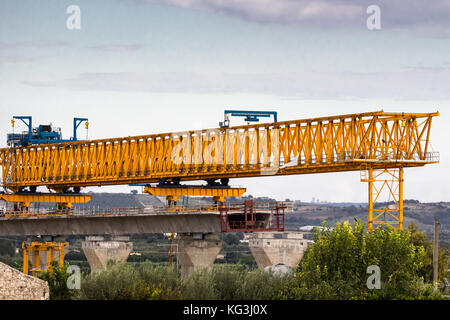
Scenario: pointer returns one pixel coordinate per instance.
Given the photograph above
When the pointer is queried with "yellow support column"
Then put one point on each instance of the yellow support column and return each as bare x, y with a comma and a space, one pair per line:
50, 259
385, 182
25, 258
36, 269
370, 219
61, 254
400, 199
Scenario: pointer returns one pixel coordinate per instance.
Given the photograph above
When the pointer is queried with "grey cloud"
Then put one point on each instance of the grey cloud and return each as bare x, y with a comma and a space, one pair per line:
278, 11
118, 47
34, 44
16, 59
420, 84
439, 67
419, 16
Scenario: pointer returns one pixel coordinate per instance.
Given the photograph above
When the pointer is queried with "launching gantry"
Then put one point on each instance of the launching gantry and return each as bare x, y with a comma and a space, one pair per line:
379, 144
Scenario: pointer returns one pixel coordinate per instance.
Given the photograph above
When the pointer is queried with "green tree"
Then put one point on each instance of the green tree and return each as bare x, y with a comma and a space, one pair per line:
400, 262
335, 266
231, 239
420, 239
57, 282
7, 247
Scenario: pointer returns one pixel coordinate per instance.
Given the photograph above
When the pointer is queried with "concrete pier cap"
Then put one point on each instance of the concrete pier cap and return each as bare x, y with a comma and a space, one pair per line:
277, 250
99, 251
197, 250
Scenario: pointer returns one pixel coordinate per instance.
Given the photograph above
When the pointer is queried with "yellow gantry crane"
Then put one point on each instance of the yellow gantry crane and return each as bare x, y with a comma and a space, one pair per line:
375, 143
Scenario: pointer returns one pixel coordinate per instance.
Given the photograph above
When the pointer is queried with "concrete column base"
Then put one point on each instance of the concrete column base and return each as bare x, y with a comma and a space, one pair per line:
277, 248
197, 250
98, 251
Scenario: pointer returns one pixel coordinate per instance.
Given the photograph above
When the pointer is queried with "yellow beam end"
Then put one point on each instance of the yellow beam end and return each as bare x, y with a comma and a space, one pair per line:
195, 191
26, 199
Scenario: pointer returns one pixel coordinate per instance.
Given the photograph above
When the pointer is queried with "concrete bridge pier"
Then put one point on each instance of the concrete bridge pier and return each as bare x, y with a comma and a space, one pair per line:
272, 249
99, 251
197, 250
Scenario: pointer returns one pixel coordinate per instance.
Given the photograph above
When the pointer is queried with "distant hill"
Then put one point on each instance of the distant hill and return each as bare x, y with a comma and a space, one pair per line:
304, 214
112, 200
422, 214
121, 200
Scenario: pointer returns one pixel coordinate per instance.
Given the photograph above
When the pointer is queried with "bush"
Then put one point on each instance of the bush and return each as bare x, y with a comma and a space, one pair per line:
199, 286
335, 266
127, 282
57, 282
232, 282
146, 281
419, 239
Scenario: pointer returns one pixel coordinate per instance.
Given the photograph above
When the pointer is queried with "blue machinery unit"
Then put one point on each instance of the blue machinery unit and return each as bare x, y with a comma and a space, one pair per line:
42, 134
76, 124
250, 116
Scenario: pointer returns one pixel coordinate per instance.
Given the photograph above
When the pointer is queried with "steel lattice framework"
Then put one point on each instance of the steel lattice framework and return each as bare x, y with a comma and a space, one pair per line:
377, 140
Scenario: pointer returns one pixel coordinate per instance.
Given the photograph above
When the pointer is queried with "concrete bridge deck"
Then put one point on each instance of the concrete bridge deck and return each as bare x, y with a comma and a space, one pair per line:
112, 224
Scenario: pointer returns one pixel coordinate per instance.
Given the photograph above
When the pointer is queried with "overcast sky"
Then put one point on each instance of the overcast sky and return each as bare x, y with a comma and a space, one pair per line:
147, 66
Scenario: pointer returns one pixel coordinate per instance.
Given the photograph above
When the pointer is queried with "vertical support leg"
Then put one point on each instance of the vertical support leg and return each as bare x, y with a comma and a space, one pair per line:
61, 255
50, 260
25, 258
370, 219
385, 183
400, 199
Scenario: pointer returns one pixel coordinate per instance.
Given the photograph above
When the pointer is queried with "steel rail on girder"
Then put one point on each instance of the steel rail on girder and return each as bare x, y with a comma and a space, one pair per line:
316, 145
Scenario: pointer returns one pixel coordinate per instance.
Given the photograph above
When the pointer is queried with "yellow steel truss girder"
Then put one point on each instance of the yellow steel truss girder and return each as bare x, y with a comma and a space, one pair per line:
309, 169
327, 144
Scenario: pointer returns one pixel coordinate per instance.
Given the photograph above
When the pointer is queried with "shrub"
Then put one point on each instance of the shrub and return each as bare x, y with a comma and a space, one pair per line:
334, 267
57, 282
128, 282
148, 281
